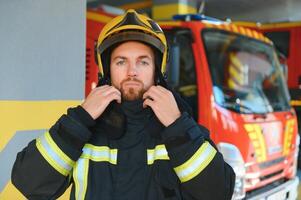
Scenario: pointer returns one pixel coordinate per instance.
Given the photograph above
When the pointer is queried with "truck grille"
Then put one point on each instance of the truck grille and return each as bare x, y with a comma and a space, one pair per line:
271, 163
270, 175
265, 188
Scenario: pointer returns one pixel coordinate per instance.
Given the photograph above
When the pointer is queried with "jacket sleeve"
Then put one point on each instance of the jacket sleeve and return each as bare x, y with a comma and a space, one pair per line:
201, 170
43, 169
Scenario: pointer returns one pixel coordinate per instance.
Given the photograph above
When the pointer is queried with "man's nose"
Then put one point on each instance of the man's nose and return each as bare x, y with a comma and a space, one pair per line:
132, 70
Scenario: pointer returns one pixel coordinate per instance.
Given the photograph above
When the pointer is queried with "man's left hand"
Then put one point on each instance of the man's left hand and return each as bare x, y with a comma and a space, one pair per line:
162, 103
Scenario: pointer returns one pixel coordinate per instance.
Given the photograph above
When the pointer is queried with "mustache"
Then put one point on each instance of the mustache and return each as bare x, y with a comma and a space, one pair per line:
131, 79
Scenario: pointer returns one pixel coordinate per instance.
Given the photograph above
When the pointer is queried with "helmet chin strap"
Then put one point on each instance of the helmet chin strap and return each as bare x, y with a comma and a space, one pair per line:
161, 80
103, 80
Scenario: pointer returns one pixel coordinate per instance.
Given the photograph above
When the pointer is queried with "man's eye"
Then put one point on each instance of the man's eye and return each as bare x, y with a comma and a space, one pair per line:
121, 62
144, 62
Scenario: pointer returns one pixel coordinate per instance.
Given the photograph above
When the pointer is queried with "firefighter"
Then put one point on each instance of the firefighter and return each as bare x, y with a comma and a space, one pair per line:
132, 137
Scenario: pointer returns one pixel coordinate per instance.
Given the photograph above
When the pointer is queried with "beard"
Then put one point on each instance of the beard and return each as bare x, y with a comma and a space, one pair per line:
132, 93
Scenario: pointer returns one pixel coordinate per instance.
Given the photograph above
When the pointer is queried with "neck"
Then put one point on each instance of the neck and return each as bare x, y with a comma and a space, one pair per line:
134, 109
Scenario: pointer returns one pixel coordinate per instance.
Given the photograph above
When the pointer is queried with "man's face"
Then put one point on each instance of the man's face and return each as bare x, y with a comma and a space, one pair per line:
132, 69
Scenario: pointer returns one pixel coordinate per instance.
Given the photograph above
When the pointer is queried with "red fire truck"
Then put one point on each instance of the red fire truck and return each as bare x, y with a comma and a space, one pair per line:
286, 36
232, 78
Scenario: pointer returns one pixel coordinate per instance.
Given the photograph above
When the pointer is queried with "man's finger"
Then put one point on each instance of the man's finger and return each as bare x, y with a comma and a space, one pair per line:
148, 102
156, 90
109, 91
114, 96
101, 87
151, 93
101, 90
162, 89
112, 92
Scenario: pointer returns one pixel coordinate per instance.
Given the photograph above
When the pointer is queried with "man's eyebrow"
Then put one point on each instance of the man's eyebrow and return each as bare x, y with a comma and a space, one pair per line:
144, 56
119, 57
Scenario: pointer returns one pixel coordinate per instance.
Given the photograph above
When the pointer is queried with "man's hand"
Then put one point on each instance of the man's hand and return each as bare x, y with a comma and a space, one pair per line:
162, 103
99, 98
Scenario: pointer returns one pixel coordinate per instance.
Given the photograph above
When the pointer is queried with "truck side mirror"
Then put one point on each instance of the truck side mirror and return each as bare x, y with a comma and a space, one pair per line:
173, 70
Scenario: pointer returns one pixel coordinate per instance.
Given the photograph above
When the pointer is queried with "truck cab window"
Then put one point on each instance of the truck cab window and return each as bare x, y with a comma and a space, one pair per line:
186, 84
281, 40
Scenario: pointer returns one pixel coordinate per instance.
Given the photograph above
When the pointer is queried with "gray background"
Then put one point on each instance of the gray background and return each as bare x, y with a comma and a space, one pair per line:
42, 57
42, 49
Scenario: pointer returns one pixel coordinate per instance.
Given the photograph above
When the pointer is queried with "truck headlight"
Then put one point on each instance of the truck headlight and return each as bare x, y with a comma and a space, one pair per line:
234, 158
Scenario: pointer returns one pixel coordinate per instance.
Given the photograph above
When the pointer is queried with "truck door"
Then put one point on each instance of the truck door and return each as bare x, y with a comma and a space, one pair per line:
182, 78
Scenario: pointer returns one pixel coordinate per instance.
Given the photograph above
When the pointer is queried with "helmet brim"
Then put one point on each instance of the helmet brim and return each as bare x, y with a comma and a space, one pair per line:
131, 36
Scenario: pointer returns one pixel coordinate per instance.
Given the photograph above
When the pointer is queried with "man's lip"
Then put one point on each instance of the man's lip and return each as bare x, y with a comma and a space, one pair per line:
131, 83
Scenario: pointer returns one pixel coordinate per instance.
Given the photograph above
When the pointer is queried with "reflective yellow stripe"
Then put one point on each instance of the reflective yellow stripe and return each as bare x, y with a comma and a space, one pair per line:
249, 32
256, 35
51, 161
258, 141
158, 153
58, 150
232, 84
197, 163
54, 155
295, 103
100, 153
235, 29
288, 136
236, 75
242, 30
80, 174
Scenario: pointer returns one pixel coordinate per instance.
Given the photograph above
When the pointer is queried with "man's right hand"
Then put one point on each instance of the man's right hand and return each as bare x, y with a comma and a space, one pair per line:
99, 98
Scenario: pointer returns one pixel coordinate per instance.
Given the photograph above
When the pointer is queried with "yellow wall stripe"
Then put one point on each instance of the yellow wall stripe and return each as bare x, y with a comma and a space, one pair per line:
28, 115
10, 192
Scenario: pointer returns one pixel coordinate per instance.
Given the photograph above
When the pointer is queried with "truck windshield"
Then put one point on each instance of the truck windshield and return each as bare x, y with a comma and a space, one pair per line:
246, 73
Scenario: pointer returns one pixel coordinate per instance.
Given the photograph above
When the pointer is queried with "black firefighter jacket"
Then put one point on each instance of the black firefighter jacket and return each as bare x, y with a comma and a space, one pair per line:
129, 156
